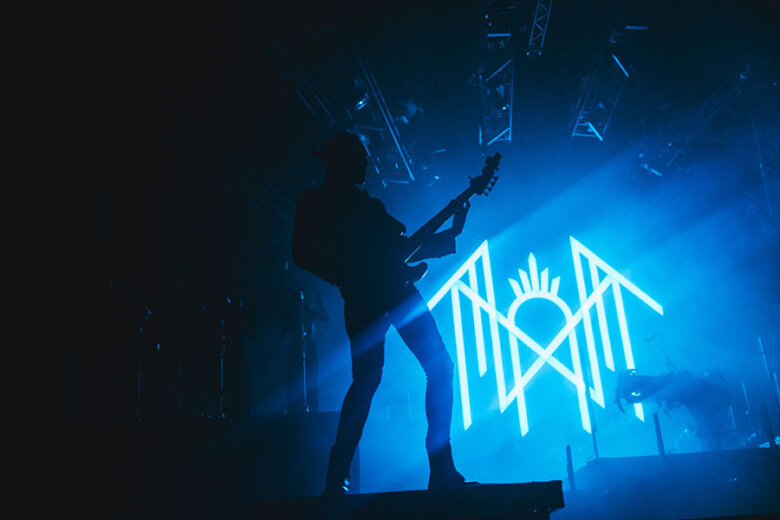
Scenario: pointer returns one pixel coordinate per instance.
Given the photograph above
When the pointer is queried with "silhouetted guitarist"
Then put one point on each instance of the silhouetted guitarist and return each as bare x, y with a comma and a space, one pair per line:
347, 238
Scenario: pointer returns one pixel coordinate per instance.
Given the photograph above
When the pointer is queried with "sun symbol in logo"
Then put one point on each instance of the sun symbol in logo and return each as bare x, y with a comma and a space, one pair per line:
534, 285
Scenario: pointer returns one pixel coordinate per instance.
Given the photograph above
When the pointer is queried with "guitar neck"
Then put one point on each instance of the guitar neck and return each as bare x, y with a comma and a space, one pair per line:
481, 184
438, 220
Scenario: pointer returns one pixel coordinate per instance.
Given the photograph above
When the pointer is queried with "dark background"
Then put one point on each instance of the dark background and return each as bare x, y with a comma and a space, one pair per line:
156, 154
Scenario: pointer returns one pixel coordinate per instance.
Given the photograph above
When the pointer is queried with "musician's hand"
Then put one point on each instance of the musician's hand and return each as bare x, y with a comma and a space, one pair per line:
459, 218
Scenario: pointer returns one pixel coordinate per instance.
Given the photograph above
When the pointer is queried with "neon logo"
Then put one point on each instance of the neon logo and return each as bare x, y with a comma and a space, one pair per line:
535, 285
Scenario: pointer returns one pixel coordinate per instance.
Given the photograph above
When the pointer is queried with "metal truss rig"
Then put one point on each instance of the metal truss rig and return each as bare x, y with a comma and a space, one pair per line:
604, 87
341, 91
539, 28
302, 84
692, 129
496, 73
596, 105
380, 105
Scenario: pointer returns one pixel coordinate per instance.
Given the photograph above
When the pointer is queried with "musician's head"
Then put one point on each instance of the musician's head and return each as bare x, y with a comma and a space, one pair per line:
344, 158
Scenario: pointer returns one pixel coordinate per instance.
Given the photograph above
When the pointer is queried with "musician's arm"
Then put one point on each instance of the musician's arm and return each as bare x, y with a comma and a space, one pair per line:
443, 243
438, 245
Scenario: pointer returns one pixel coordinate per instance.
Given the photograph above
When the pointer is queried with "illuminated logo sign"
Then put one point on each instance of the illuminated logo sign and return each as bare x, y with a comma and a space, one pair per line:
535, 285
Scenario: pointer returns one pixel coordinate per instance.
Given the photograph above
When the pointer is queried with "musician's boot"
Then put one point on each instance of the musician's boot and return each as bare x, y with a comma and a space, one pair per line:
337, 480
443, 472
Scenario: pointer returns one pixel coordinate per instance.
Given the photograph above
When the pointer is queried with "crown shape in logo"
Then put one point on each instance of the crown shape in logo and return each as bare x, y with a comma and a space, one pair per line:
534, 284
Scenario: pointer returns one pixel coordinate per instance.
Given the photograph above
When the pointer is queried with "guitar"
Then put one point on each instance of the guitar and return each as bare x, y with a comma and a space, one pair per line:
480, 185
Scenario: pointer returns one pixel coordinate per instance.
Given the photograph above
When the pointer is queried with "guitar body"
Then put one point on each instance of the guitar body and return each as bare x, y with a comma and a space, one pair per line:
415, 272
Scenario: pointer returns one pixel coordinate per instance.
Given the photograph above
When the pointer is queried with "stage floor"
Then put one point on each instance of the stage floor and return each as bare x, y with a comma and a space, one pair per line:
533, 500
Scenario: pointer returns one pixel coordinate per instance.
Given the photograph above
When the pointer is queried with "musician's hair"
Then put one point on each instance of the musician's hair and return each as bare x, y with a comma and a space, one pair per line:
339, 153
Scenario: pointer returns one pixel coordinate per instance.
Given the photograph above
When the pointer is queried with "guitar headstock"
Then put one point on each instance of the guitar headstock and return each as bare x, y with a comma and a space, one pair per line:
483, 184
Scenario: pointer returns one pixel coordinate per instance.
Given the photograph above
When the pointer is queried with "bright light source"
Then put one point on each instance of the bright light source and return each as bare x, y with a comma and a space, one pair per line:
535, 285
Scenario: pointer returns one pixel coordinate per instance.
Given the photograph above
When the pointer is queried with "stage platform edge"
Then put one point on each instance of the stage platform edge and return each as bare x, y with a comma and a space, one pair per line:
531, 500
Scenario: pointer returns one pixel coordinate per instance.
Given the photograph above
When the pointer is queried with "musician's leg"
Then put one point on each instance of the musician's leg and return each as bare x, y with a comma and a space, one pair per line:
366, 375
418, 330
367, 347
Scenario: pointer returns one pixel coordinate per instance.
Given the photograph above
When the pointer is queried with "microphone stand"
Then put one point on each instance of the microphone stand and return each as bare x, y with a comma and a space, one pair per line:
139, 367
303, 352
222, 348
